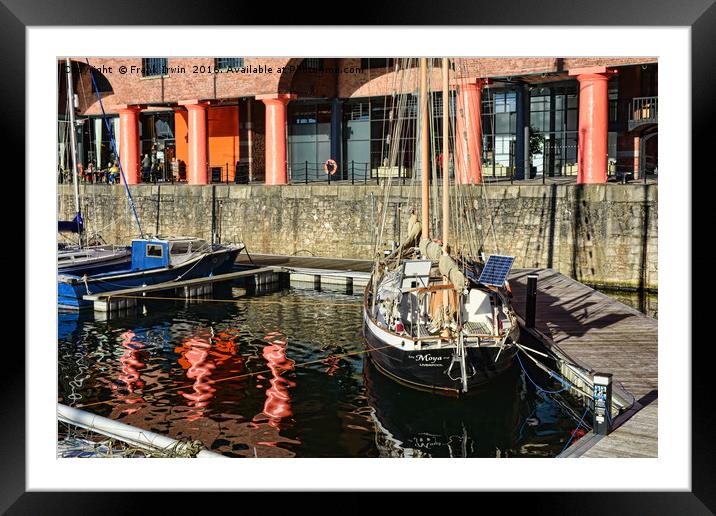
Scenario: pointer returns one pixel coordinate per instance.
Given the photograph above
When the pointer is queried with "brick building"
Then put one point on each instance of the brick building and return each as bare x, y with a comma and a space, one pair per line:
277, 120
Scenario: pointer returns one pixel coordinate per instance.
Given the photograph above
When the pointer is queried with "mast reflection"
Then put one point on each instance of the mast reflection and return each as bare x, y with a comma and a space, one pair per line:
194, 358
131, 364
278, 401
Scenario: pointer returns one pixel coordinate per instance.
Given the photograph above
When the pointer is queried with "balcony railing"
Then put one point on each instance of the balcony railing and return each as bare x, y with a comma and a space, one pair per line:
642, 111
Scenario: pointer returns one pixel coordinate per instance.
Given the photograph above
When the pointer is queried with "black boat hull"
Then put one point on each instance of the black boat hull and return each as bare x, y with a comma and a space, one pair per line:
434, 369
415, 423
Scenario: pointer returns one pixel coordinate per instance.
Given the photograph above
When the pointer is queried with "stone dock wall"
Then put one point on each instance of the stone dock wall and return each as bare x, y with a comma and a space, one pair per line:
602, 235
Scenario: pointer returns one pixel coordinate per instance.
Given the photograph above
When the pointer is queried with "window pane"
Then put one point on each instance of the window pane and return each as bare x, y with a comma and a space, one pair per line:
313, 64
502, 123
377, 62
229, 62
154, 250
154, 66
572, 120
511, 102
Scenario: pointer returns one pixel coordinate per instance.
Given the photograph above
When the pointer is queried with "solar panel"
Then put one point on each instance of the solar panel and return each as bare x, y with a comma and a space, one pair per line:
496, 270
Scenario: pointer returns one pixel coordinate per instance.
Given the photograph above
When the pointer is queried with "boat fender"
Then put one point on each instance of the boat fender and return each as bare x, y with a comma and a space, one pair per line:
333, 166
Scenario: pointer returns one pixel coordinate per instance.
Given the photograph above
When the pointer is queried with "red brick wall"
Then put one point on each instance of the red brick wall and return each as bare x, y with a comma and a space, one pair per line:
195, 82
190, 83
382, 81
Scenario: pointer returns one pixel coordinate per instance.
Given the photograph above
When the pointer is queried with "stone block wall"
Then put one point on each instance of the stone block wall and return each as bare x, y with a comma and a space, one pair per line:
599, 234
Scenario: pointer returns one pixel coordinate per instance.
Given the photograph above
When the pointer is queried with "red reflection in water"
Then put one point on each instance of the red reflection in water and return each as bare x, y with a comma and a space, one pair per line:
131, 365
195, 352
277, 405
333, 363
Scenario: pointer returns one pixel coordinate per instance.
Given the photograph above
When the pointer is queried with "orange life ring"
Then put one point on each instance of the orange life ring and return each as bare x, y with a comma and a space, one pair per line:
333, 163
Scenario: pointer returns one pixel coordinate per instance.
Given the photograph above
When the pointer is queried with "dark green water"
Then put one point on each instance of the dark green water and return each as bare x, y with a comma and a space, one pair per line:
646, 302
284, 375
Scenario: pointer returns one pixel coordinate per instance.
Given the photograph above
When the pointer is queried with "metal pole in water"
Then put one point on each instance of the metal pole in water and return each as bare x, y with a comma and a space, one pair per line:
531, 302
134, 436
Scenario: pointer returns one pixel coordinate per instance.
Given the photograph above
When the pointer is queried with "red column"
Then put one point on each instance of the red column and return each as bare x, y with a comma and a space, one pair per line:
129, 142
276, 136
468, 166
593, 124
197, 166
637, 155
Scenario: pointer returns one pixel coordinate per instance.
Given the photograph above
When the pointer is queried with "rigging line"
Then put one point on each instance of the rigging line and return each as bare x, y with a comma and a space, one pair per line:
114, 148
252, 300
565, 387
482, 182
388, 180
467, 192
574, 432
462, 163
468, 198
90, 129
238, 377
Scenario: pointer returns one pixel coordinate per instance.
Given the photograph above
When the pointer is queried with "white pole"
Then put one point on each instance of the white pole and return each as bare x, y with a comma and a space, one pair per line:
73, 138
125, 433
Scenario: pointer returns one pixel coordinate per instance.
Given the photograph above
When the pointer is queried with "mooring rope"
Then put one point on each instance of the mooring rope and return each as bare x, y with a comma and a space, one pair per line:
252, 300
565, 383
575, 431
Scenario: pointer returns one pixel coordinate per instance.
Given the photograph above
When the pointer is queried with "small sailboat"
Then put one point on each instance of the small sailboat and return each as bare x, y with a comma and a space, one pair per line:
435, 319
153, 260
92, 259
79, 258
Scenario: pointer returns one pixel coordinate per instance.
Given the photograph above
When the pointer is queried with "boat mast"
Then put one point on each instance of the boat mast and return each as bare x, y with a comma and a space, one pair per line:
446, 156
424, 145
73, 144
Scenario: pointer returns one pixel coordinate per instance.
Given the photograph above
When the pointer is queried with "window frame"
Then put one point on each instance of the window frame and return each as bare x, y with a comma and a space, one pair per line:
145, 67
220, 66
151, 246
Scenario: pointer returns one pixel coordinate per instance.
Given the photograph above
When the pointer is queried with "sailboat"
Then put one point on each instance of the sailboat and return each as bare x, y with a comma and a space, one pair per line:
81, 258
151, 259
437, 319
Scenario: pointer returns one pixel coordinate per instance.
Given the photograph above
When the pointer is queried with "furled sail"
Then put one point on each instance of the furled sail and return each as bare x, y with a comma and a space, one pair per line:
447, 265
75, 225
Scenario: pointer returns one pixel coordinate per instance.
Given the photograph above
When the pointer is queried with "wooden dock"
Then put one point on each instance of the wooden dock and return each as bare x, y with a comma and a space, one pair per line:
582, 326
124, 298
588, 328
321, 272
265, 272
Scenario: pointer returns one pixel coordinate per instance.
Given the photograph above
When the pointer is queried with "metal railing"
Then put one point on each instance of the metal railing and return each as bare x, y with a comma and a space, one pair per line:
643, 110
349, 172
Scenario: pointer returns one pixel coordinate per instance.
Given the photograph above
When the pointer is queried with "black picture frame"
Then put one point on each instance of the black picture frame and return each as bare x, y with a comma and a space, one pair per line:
700, 15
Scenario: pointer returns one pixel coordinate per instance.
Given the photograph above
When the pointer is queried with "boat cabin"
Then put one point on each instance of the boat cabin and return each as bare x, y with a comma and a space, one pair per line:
154, 253
481, 311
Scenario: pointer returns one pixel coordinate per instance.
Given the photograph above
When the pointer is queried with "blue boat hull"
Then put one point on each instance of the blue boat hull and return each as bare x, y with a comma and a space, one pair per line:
112, 264
70, 291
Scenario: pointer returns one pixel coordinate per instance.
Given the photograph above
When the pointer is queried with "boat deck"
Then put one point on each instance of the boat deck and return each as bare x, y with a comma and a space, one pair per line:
582, 325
